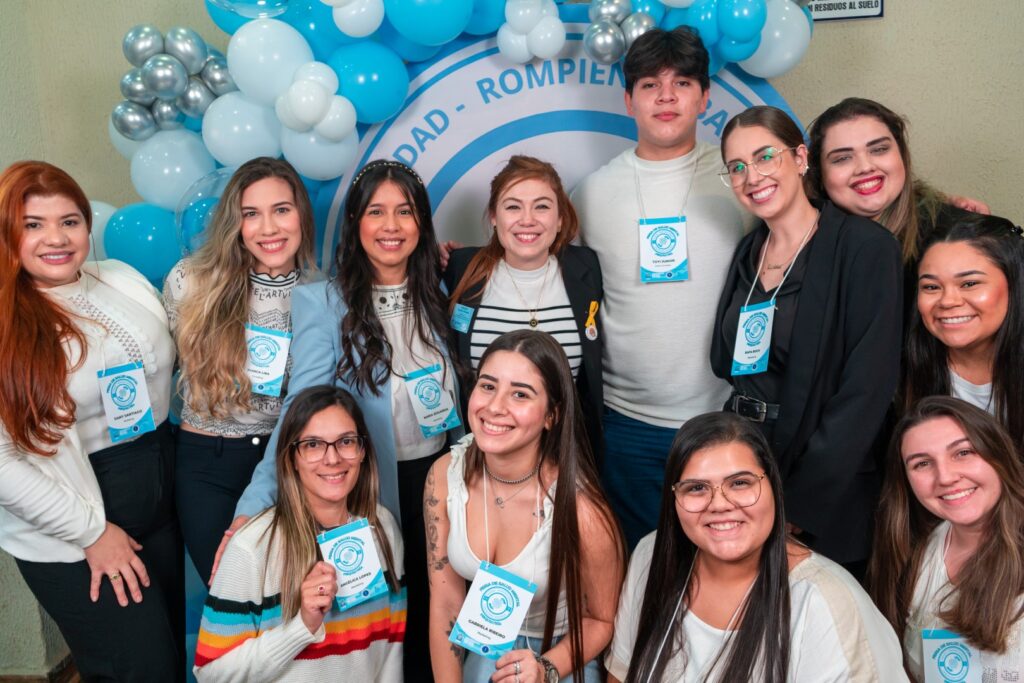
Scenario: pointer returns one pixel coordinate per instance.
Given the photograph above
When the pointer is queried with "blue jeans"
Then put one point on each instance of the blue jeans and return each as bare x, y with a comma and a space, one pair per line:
633, 472
477, 669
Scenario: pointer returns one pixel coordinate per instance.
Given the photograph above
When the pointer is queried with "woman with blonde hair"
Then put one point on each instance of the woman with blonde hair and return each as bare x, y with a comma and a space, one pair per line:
229, 306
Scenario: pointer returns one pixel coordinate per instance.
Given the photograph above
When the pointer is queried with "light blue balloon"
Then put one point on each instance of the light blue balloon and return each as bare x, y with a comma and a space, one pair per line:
487, 17
734, 50
429, 22
194, 221
142, 235
193, 124
405, 48
678, 16
167, 164
372, 77
652, 8
704, 18
225, 20
810, 17
316, 157
236, 129
741, 20
313, 19
715, 61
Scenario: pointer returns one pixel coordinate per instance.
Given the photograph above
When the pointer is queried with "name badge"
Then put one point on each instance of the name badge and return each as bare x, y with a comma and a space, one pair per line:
462, 316
663, 256
753, 339
352, 551
126, 401
435, 408
267, 358
494, 610
948, 658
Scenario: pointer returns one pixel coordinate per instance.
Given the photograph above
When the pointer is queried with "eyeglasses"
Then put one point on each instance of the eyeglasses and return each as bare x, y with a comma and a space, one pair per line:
347, 446
768, 161
742, 490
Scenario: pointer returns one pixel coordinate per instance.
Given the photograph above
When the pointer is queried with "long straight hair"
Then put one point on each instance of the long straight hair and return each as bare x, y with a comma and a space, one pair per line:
365, 351
215, 308
35, 332
566, 446
759, 649
927, 358
292, 518
984, 607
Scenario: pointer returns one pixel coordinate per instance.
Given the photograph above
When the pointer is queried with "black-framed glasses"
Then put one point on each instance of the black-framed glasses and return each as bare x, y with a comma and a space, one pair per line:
742, 490
767, 162
347, 446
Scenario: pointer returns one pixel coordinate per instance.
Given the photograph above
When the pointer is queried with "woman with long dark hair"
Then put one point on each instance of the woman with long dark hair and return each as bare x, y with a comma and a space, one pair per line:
522, 493
948, 566
719, 593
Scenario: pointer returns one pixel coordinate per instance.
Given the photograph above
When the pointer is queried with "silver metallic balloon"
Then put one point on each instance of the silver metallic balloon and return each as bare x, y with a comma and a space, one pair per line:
616, 10
635, 25
133, 121
134, 88
142, 42
213, 53
167, 115
217, 77
165, 76
604, 42
196, 99
187, 47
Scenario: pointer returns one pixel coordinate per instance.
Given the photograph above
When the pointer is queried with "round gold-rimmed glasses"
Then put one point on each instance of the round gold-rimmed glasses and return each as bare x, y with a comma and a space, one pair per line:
766, 162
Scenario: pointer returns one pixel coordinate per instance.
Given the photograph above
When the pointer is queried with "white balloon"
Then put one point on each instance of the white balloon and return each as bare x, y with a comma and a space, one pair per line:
101, 213
236, 129
318, 158
547, 38
359, 18
308, 101
124, 146
512, 45
336, 3
167, 164
319, 72
784, 40
263, 56
523, 15
550, 9
678, 3
285, 115
340, 120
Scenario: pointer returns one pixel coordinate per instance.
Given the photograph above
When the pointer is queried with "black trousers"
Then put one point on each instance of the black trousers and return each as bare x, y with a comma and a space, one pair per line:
412, 477
144, 641
211, 475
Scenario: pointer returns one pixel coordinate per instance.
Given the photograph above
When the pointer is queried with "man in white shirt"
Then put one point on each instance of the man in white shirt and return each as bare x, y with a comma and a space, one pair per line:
644, 213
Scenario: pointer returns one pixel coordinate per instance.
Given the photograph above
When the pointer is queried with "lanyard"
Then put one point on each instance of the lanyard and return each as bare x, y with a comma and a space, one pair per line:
764, 252
640, 196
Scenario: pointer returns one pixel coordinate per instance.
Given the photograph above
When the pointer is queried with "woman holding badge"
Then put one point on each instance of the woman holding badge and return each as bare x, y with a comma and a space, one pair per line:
316, 579
808, 333
516, 511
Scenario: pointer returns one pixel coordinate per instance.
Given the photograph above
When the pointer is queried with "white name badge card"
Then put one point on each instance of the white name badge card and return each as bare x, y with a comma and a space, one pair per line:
434, 406
351, 550
753, 339
462, 316
267, 358
948, 658
663, 256
493, 612
126, 401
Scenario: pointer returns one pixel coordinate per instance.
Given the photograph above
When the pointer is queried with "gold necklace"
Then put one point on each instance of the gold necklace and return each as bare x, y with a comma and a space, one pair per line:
532, 311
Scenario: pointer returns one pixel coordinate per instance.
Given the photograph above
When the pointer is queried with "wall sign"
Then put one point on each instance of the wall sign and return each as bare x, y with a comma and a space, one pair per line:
827, 10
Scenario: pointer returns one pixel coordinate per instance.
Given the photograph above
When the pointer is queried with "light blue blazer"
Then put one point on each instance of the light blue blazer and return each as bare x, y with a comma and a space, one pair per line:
317, 312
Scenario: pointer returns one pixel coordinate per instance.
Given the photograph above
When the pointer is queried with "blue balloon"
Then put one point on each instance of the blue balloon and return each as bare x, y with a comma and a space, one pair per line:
715, 61
429, 22
226, 21
193, 124
313, 19
652, 8
143, 236
312, 186
704, 18
405, 48
810, 17
194, 221
679, 16
487, 17
735, 50
372, 77
741, 20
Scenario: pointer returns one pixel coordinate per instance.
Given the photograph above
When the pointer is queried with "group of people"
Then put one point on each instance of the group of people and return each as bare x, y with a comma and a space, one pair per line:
597, 403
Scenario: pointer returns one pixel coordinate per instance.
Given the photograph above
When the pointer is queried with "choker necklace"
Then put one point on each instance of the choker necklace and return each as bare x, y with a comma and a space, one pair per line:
500, 501
532, 311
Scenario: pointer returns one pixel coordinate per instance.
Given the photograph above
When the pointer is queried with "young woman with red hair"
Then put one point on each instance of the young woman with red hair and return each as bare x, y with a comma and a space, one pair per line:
86, 455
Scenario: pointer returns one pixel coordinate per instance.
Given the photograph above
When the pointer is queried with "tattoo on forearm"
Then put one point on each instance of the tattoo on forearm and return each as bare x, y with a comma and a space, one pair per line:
435, 560
456, 650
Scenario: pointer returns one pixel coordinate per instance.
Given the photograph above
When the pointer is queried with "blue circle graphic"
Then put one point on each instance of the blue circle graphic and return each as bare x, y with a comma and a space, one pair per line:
263, 351
755, 327
123, 392
663, 240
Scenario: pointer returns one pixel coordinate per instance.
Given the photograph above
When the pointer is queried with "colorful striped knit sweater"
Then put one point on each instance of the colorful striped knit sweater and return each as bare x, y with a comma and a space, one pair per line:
242, 636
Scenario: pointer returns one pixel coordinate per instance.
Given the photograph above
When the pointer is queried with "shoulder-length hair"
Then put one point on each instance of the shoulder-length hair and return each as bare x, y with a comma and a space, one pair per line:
518, 169
927, 359
984, 607
773, 119
35, 332
566, 446
365, 351
759, 649
293, 520
215, 308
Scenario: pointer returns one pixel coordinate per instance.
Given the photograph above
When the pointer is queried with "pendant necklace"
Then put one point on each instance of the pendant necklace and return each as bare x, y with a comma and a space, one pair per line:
522, 482
531, 311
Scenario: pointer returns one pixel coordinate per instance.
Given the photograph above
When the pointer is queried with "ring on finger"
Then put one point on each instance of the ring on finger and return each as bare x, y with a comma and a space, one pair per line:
115, 577
320, 589
519, 669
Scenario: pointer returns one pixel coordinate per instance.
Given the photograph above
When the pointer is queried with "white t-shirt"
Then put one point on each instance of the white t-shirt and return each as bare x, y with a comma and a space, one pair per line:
836, 633
979, 395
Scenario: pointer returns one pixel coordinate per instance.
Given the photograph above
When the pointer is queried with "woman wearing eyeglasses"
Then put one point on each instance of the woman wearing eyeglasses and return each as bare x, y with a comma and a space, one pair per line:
808, 333
720, 593
279, 608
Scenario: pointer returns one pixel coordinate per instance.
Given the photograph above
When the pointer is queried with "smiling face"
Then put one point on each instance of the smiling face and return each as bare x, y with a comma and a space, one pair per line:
861, 166
949, 478
724, 531
666, 108
962, 296
527, 221
55, 241
327, 484
772, 196
508, 408
271, 230
389, 233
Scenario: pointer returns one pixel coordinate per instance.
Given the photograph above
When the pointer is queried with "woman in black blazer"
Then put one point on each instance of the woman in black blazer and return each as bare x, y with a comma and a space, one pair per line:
529, 276
817, 296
